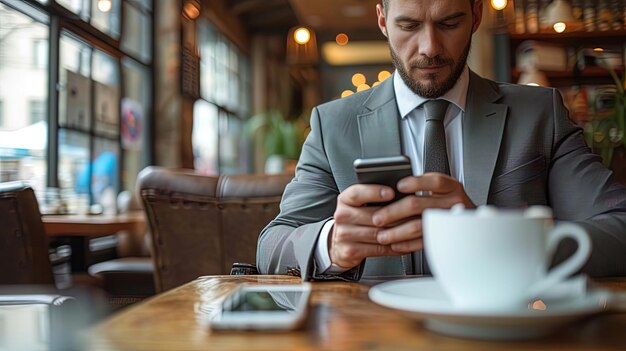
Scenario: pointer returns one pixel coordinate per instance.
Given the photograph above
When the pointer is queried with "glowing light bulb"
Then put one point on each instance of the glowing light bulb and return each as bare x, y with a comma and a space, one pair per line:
191, 10
362, 87
346, 93
498, 4
105, 5
559, 27
382, 75
358, 79
302, 35
342, 39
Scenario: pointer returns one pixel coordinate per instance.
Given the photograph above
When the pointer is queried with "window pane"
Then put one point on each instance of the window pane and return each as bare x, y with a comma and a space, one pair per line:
207, 42
204, 137
231, 154
23, 80
137, 33
107, 97
75, 84
135, 111
79, 7
105, 15
104, 182
74, 172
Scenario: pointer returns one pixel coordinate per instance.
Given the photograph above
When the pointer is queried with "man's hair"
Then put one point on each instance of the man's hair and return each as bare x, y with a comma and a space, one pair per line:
386, 5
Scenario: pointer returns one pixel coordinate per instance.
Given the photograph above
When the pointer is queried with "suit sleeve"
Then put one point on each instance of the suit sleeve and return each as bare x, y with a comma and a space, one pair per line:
308, 202
582, 190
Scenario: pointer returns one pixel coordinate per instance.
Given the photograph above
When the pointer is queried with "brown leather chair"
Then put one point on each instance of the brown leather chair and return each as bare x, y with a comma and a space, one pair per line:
24, 255
202, 224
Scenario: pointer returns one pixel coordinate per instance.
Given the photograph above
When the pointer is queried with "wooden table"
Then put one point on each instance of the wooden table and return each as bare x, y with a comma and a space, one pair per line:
341, 318
93, 225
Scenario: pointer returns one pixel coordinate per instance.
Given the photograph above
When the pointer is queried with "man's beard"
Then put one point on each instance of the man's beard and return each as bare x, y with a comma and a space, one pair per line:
431, 91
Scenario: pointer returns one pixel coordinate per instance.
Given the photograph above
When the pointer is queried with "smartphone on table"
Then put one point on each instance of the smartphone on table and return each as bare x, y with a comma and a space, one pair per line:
385, 171
263, 307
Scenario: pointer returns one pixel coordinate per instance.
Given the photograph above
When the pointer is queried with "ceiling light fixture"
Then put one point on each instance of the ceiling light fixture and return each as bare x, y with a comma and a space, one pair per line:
559, 13
301, 46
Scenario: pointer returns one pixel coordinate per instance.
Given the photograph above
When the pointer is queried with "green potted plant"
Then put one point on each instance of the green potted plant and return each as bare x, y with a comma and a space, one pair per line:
277, 141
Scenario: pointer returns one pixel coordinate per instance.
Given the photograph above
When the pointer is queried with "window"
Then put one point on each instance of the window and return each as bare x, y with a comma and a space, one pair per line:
103, 93
106, 21
40, 53
224, 84
79, 7
138, 31
37, 111
23, 90
87, 72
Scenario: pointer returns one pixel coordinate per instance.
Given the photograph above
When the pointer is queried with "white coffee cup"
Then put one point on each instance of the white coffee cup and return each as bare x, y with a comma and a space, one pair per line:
490, 259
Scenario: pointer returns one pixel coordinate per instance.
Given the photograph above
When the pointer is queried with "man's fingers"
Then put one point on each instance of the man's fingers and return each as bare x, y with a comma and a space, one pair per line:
408, 246
436, 183
361, 194
352, 255
409, 206
348, 233
410, 230
354, 215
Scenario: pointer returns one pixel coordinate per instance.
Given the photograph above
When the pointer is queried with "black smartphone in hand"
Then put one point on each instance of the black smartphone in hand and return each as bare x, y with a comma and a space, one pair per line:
383, 170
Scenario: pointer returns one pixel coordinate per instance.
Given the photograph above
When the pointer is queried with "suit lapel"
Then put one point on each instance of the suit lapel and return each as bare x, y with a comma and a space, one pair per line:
379, 125
483, 126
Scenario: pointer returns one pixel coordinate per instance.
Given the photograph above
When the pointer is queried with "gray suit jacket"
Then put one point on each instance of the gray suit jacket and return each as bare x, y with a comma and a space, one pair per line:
519, 149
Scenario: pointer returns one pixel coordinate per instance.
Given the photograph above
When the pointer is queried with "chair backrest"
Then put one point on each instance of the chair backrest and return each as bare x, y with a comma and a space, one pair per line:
202, 224
24, 255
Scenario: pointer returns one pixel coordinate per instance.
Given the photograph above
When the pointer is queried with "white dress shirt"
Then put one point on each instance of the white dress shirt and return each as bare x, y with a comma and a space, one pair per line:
412, 129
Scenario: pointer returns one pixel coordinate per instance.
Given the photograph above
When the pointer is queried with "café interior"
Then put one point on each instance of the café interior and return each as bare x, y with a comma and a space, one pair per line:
145, 144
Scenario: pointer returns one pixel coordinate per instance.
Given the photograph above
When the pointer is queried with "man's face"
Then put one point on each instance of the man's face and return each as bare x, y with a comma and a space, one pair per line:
429, 41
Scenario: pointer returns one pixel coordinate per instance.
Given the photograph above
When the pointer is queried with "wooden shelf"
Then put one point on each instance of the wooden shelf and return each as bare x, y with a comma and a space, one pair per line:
572, 41
590, 72
590, 75
603, 36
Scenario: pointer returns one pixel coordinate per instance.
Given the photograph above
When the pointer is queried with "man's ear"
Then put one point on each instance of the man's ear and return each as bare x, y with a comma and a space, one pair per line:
477, 15
382, 21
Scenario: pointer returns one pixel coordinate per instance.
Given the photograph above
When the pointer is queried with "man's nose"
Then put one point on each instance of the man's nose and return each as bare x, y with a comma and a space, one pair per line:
430, 44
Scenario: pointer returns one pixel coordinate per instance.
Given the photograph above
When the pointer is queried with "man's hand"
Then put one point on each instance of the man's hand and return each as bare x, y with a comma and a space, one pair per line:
442, 191
395, 229
354, 236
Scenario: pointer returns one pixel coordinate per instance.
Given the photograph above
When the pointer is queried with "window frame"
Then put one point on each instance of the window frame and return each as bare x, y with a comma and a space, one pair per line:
62, 20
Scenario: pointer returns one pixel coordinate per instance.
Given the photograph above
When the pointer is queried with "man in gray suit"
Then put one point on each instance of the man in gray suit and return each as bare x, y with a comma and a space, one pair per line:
507, 145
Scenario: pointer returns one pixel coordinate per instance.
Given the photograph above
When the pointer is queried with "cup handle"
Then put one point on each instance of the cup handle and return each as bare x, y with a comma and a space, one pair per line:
571, 264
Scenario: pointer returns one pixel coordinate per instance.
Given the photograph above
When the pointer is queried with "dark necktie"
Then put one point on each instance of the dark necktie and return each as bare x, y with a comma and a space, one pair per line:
435, 154
435, 151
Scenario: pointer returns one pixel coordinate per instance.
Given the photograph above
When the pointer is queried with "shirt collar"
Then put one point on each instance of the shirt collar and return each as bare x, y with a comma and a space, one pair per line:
407, 100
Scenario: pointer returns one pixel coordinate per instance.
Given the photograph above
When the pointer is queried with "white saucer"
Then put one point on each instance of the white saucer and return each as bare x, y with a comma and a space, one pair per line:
423, 298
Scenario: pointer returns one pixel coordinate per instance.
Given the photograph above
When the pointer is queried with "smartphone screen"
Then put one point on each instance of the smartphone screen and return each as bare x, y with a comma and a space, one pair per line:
264, 307
252, 301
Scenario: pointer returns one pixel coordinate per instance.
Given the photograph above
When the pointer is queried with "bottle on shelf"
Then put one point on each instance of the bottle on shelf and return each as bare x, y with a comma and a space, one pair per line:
589, 15
617, 11
577, 10
532, 16
604, 18
520, 23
